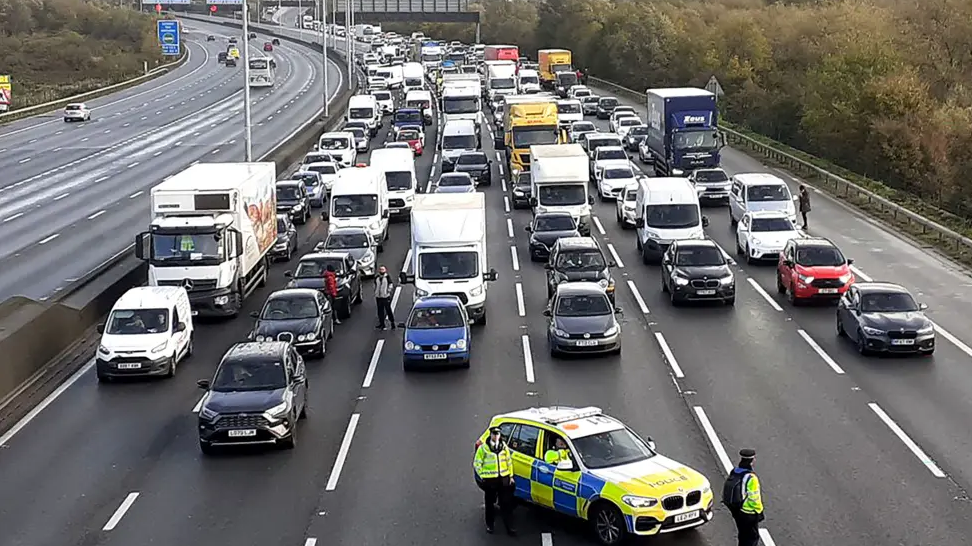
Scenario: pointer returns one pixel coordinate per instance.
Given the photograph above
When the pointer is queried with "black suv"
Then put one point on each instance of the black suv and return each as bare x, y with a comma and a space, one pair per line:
697, 270
292, 199
310, 274
477, 165
575, 259
256, 396
546, 229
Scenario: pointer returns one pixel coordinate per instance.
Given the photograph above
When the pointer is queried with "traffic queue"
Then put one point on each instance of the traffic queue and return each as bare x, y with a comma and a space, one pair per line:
215, 229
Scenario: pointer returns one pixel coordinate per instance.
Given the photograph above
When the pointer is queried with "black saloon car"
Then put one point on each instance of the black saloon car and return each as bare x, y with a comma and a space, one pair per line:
697, 270
636, 135
582, 320
287, 242
578, 259
477, 165
521, 190
310, 274
884, 318
293, 200
256, 396
546, 229
300, 316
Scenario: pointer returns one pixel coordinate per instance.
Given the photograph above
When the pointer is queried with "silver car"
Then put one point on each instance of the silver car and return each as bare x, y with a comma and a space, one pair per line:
77, 111
582, 320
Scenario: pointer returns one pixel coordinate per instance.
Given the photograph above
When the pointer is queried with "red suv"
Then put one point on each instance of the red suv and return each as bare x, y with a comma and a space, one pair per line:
813, 269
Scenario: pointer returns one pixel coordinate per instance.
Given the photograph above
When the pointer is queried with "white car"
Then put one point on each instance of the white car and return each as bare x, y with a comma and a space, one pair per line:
613, 176
386, 102
761, 235
621, 111
77, 111
615, 122
579, 128
626, 206
340, 144
712, 184
579, 91
569, 111
377, 83
605, 154
328, 170
625, 124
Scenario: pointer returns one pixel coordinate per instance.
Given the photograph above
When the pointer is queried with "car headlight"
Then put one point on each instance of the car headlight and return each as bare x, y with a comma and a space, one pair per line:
560, 333
103, 350
756, 241
367, 259
681, 281
612, 330
727, 280
298, 206
420, 293
207, 413
518, 193
603, 283
639, 502
476, 292
652, 234
629, 207
374, 225
409, 346
845, 278
261, 338
160, 347
461, 344
311, 336
926, 330
279, 410
806, 279
872, 331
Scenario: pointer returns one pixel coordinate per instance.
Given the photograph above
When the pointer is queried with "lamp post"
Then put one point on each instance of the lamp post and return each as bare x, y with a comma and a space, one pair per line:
327, 109
247, 127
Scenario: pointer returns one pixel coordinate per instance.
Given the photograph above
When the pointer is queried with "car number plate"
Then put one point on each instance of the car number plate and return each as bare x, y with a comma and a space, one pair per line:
902, 342
129, 366
394, 211
707, 292
242, 433
688, 516
194, 313
587, 343
436, 356
828, 290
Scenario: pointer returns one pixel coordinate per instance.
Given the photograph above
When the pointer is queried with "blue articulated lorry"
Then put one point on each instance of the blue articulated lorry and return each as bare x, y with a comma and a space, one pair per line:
683, 131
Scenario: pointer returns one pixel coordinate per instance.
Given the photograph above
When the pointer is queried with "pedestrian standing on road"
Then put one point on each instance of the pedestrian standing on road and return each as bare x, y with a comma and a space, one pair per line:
383, 296
331, 290
804, 205
494, 466
741, 495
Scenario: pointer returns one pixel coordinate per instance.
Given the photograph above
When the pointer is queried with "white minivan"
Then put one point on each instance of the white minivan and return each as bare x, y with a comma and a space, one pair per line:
414, 77
458, 136
359, 198
398, 165
666, 210
751, 192
148, 331
341, 145
365, 108
422, 100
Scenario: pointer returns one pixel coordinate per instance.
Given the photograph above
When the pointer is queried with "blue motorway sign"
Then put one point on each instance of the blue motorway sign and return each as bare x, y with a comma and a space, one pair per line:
169, 37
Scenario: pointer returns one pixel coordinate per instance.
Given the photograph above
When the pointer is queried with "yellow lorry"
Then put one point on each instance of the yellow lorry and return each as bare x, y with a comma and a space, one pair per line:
528, 120
552, 62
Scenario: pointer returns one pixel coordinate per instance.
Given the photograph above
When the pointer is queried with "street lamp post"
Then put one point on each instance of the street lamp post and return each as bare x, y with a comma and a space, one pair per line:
247, 128
327, 108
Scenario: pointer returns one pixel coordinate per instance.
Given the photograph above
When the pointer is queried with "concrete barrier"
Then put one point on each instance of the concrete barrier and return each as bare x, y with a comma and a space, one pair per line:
41, 342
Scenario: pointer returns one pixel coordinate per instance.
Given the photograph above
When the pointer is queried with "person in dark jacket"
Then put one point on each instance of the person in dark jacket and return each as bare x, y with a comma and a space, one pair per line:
384, 290
331, 289
804, 205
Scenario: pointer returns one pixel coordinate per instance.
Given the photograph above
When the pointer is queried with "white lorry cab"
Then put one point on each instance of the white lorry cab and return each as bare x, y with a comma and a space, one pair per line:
414, 76
462, 98
341, 145
528, 81
398, 164
359, 198
365, 108
148, 331
448, 254
559, 182
666, 210
422, 100
500, 78
212, 226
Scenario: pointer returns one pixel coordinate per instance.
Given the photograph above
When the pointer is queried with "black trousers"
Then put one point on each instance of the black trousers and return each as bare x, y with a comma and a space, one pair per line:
495, 488
385, 311
804, 214
747, 526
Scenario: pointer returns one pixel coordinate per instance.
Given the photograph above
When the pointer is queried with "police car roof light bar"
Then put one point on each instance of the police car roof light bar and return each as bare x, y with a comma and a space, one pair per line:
573, 415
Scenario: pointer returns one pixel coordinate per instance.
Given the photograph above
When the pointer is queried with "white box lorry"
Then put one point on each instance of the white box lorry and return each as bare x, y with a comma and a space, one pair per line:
462, 98
448, 254
560, 177
212, 227
500, 78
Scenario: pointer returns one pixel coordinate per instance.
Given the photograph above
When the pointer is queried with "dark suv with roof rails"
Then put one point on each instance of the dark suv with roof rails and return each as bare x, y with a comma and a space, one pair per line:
574, 259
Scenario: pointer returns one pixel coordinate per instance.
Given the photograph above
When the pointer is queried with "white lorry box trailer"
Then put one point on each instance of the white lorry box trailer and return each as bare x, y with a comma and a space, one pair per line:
399, 167
560, 175
448, 254
500, 78
462, 98
211, 229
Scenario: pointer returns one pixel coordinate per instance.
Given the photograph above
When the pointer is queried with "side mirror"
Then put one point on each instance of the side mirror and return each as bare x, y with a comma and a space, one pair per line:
528, 229
325, 214
547, 313
619, 311
384, 215
438, 145
289, 274
590, 199
639, 222
140, 244
492, 275
666, 261
203, 384
612, 263
651, 443
101, 328
850, 261
181, 327
705, 221
922, 306
498, 142
533, 201
730, 261
401, 325
547, 266
565, 465
299, 378
254, 314
405, 278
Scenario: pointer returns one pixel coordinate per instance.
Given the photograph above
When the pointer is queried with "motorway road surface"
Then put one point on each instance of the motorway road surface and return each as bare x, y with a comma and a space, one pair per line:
384, 458
72, 195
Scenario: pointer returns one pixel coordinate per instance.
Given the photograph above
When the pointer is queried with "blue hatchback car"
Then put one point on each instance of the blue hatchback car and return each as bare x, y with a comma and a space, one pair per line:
436, 333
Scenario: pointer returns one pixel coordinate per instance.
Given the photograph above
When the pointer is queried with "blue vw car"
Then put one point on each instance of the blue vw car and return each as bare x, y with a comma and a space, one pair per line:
436, 333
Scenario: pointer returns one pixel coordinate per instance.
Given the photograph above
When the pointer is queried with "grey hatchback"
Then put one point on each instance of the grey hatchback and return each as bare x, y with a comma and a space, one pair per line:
582, 320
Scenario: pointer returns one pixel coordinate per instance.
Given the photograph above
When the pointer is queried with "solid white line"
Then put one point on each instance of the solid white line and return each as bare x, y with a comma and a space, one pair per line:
62, 196
710, 432
310, 542
49, 239
614, 254
864, 276
669, 355
509, 227
820, 352
506, 204
120, 512
373, 365
516, 259
395, 296
519, 300
764, 534
638, 298
198, 406
332, 481
25, 160
102, 179
503, 183
597, 224
769, 299
528, 359
14, 217
546, 539
136, 194
95, 215
925, 459
32, 414
956, 341
408, 256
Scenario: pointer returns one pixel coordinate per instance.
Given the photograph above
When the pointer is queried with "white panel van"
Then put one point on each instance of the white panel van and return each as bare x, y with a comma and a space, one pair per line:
666, 210
359, 198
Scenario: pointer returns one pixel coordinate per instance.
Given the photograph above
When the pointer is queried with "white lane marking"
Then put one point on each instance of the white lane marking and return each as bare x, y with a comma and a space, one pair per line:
509, 227
769, 299
519, 300
614, 254
85, 139
332, 481
95, 215
49, 238
669, 355
214, 152
58, 149
32, 414
395, 296
157, 154
11, 218
516, 259
135, 164
408, 257
638, 298
546, 539
710, 432
373, 365
506, 204
62, 196
120, 512
597, 224
24, 160
198, 406
764, 534
501, 169
102, 179
864, 276
820, 352
136, 194
528, 359
503, 184
310, 542
925, 459
499, 157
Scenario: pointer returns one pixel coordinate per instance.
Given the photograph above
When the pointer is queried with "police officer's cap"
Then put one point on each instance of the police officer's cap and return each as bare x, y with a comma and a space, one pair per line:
494, 430
747, 453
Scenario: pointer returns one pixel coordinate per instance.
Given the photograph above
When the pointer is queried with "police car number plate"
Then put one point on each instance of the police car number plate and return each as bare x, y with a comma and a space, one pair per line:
242, 433
688, 516
586, 343
828, 290
707, 292
129, 366
436, 356
902, 342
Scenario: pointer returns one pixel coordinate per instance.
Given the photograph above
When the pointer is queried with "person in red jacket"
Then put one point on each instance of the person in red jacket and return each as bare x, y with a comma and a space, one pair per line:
331, 290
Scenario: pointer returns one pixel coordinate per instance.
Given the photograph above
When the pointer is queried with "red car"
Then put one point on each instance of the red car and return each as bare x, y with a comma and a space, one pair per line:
415, 140
813, 269
267, 46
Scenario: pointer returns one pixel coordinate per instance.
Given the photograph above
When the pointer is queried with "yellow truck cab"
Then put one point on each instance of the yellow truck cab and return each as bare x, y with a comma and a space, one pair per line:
552, 61
528, 120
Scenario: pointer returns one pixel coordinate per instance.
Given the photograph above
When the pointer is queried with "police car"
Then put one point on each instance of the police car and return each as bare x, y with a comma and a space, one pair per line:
615, 480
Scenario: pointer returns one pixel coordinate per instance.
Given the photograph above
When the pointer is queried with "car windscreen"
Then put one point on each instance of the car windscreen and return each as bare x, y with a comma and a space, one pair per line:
361, 113
472, 159
580, 259
398, 180
382, 95
460, 105
618, 174
502, 83
435, 266
711, 176
631, 195
819, 256
529, 80
672, 216
349, 206
249, 375
450, 180
610, 449
323, 169
699, 257
569, 108
524, 137
629, 122
562, 195
335, 143
768, 192
554, 223
607, 102
288, 193
308, 179
338, 241
583, 305
638, 130
290, 308
888, 302
772, 224
406, 135
611, 154
315, 268
137, 321
424, 318
413, 117
583, 127
459, 142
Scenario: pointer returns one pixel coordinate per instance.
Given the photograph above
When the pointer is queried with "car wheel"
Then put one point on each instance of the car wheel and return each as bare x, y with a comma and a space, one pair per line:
170, 370
191, 347
749, 257
840, 328
862, 344
609, 525
102, 378
290, 254
739, 249
664, 286
303, 411
791, 297
780, 287
673, 299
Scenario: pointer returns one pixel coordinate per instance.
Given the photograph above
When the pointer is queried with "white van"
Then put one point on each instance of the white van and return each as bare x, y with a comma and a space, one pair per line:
340, 144
359, 198
422, 100
394, 79
149, 330
398, 165
365, 108
414, 77
528, 81
458, 136
666, 210
751, 192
